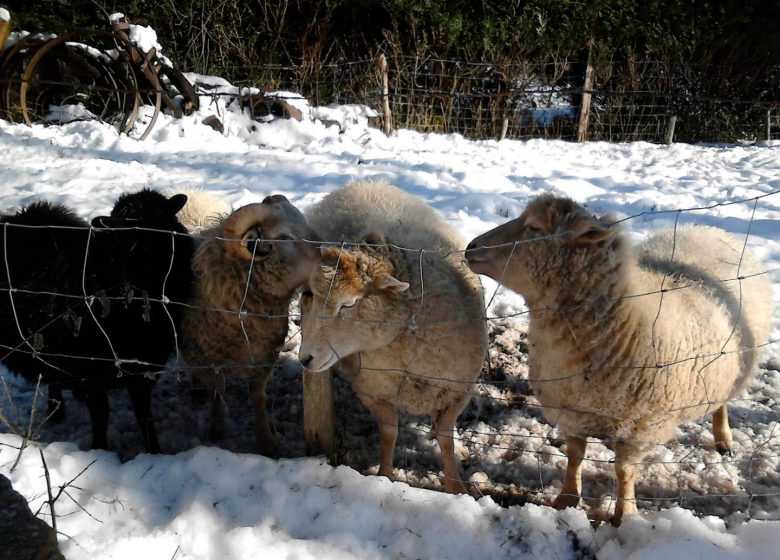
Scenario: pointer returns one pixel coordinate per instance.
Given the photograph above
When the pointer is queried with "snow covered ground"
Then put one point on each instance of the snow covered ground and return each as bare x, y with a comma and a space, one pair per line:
208, 502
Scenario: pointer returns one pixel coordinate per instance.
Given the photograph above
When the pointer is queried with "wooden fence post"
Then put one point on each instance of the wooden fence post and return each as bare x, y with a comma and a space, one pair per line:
582, 127
769, 124
504, 128
670, 124
318, 426
5, 26
387, 124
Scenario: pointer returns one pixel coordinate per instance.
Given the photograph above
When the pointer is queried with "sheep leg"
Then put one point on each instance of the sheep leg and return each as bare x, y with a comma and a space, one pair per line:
387, 419
141, 397
444, 426
722, 431
626, 458
97, 405
264, 437
572, 483
216, 427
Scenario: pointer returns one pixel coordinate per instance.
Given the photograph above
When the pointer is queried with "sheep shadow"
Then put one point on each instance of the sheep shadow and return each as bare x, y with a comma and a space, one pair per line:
508, 450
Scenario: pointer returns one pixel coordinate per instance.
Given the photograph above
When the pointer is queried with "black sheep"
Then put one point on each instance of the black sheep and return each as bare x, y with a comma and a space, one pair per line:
92, 309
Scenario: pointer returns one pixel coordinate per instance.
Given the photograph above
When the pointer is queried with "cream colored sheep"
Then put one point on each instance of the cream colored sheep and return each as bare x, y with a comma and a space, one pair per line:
408, 326
625, 344
202, 210
246, 272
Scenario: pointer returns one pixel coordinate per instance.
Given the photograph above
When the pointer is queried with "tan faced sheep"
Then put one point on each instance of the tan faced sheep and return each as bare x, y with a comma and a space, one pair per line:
408, 325
625, 344
246, 272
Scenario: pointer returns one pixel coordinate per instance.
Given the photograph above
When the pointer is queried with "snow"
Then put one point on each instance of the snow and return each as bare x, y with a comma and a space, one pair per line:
201, 501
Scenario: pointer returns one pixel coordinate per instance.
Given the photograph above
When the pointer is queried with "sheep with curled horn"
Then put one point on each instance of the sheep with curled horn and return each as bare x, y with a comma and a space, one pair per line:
626, 343
247, 270
92, 309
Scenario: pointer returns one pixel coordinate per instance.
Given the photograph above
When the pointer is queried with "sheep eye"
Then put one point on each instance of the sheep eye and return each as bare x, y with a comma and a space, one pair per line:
534, 230
307, 294
262, 249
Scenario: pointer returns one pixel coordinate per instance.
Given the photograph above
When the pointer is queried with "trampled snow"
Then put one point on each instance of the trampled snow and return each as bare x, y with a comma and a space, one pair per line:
200, 501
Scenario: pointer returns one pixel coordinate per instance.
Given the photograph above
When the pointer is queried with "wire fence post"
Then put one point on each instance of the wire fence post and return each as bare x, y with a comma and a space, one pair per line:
5, 30
587, 90
387, 123
319, 433
670, 124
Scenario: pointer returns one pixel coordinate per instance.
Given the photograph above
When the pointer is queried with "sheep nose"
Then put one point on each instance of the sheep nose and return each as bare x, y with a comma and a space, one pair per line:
306, 360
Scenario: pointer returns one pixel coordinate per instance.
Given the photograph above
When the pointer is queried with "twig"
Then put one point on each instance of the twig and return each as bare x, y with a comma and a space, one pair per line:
48, 491
28, 435
82, 508
3, 418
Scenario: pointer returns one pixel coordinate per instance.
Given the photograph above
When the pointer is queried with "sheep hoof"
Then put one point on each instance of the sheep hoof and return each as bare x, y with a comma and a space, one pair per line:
267, 449
565, 500
724, 448
215, 432
455, 487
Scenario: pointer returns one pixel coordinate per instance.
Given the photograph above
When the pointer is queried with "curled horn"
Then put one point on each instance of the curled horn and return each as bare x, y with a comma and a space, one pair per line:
238, 225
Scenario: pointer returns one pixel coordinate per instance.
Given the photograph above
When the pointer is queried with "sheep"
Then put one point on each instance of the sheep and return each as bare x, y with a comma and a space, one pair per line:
626, 343
95, 308
202, 210
247, 270
407, 324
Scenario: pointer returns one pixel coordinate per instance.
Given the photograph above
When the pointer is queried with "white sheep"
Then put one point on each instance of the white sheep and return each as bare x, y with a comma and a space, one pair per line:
625, 344
202, 210
247, 270
408, 325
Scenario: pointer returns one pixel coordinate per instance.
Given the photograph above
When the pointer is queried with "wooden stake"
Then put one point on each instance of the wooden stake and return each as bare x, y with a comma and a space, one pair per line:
387, 125
670, 124
582, 128
5, 30
319, 434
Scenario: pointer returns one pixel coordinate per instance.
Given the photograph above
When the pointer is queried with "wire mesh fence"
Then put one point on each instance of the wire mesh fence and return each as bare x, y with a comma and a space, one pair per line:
101, 75
631, 101
511, 448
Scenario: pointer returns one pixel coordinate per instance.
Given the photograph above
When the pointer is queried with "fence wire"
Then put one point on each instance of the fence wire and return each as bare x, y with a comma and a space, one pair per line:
511, 446
632, 101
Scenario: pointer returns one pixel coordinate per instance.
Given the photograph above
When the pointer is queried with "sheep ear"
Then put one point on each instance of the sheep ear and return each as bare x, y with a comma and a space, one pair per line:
387, 283
177, 202
588, 231
330, 255
373, 238
376, 242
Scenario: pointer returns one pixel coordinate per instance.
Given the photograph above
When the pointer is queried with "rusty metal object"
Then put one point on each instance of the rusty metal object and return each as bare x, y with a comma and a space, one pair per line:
102, 71
261, 105
66, 70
